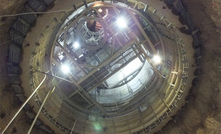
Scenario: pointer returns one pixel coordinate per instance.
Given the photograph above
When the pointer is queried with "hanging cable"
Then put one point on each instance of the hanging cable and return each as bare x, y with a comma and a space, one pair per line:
29, 13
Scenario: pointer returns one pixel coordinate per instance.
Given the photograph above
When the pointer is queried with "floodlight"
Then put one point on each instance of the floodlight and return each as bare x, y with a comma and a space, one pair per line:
121, 22
157, 59
100, 10
65, 68
76, 45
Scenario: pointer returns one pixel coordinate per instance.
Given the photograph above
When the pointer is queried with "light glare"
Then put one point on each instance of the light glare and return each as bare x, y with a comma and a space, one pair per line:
100, 10
157, 59
121, 22
97, 126
76, 45
65, 68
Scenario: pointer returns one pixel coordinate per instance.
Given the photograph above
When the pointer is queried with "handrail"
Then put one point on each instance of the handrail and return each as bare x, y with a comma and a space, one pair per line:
33, 123
24, 104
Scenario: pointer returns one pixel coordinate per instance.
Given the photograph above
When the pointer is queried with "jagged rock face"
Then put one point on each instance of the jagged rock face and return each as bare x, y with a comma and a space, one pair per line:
8, 103
200, 115
8, 7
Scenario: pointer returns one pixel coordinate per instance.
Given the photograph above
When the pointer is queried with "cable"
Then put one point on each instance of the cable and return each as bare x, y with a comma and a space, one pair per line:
20, 14
19, 36
28, 13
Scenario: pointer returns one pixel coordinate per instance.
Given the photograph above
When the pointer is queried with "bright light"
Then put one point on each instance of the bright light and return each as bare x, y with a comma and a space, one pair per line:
97, 5
121, 22
157, 59
97, 126
100, 10
76, 45
65, 68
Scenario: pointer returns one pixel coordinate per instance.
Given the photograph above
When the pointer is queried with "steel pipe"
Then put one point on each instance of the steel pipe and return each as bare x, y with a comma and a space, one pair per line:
16, 114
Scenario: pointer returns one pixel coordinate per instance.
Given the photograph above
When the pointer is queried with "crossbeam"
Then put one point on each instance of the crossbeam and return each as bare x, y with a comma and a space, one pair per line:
83, 92
115, 71
108, 60
143, 33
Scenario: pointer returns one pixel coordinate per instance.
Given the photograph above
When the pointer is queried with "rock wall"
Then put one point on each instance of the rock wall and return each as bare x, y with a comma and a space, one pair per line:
9, 103
201, 114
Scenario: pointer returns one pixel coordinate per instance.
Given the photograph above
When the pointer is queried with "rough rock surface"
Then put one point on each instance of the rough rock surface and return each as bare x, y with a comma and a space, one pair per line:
8, 102
201, 114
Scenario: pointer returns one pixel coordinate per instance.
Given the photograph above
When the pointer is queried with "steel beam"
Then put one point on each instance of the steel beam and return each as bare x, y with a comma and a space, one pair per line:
68, 54
143, 32
106, 25
108, 60
143, 94
72, 130
118, 60
115, 71
150, 62
84, 93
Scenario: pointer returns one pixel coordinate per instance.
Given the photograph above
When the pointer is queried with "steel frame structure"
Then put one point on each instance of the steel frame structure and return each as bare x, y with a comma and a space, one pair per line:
123, 47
